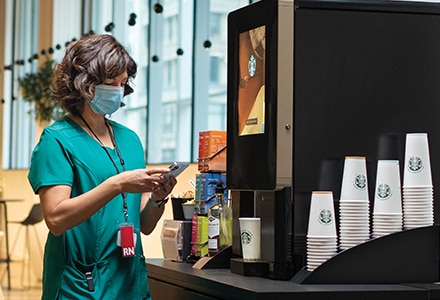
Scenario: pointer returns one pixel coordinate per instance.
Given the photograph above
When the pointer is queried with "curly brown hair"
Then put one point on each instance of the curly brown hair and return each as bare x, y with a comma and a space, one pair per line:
87, 63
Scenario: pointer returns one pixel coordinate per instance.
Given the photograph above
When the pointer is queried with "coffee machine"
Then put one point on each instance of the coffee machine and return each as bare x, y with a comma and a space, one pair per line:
260, 145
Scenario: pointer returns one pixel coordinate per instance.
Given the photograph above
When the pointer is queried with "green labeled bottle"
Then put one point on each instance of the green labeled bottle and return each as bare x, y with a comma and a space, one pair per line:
219, 223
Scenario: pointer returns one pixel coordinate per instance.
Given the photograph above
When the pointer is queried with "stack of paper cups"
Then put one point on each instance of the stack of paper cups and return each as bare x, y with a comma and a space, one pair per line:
418, 204
387, 212
321, 234
354, 205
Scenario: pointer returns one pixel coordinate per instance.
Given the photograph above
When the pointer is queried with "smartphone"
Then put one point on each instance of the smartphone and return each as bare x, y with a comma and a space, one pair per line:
176, 168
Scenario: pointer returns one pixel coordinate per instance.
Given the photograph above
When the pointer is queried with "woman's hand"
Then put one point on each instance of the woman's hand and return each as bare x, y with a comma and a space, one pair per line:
164, 189
145, 181
151, 214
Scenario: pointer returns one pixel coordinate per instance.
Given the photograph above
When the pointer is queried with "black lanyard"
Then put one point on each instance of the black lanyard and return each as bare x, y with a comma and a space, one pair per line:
112, 137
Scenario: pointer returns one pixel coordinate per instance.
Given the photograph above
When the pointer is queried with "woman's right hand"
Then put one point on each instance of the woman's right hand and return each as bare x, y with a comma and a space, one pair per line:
141, 180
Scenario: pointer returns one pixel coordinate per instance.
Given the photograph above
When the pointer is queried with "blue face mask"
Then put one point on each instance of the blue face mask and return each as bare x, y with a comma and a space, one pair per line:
107, 99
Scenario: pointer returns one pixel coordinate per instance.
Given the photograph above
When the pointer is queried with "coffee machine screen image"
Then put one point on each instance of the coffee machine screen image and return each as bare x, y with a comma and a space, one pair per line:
251, 95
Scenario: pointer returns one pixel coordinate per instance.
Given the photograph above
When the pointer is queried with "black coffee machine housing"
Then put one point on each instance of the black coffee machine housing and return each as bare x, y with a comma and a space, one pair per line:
362, 75
259, 164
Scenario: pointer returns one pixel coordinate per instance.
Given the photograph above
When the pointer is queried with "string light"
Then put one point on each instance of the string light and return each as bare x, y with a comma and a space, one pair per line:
132, 20
207, 44
109, 27
158, 8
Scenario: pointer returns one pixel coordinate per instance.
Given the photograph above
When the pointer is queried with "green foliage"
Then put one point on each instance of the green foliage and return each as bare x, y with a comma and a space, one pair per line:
35, 88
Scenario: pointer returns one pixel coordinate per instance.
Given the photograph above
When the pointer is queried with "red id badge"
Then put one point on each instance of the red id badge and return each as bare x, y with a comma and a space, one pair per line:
127, 241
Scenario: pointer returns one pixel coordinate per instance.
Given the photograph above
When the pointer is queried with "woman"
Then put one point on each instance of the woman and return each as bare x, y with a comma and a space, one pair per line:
95, 192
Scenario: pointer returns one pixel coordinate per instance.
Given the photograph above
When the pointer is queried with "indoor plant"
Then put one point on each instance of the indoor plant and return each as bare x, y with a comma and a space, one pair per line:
35, 88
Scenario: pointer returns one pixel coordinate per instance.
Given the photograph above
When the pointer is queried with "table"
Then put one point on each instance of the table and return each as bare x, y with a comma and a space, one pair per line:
3, 202
174, 280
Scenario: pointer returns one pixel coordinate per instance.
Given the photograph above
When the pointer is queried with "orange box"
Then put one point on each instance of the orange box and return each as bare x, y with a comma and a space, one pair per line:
212, 151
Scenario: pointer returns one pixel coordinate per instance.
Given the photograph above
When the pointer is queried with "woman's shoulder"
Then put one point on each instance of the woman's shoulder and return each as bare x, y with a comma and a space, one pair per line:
63, 128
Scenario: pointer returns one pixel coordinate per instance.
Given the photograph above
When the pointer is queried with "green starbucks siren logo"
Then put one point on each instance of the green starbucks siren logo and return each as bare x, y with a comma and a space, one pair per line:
246, 237
383, 191
360, 182
415, 164
325, 216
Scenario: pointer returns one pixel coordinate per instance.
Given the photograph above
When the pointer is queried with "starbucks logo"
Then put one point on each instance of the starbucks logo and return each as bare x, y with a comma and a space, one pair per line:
415, 164
325, 216
383, 191
360, 182
246, 237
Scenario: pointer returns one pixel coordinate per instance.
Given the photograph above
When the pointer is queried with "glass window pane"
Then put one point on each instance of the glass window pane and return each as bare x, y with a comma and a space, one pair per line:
180, 87
20, 45
210, 66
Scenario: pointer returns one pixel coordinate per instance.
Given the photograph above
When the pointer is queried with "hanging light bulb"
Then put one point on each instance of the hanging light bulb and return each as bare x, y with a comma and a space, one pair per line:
207, 44
158, 8
109, 27
132, 20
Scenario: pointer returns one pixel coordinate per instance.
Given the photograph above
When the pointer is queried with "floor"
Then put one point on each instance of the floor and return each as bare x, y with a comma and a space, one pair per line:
19, 290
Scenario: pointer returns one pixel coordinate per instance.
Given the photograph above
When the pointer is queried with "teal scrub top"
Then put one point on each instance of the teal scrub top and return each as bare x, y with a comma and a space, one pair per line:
67, 155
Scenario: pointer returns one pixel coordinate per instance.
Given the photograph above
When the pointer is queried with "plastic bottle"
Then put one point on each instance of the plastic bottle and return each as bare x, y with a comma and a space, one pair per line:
219, 223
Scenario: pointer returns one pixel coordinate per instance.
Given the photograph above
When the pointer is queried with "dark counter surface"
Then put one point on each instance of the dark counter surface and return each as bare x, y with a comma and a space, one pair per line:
222, 284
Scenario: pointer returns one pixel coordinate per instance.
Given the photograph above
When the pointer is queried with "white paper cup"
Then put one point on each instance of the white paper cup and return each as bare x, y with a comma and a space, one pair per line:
387, 196
250, 232
322, 215
354, 179
417, 170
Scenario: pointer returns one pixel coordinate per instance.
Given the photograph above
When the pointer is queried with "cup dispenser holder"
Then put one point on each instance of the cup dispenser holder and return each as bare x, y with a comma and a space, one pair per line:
408, 256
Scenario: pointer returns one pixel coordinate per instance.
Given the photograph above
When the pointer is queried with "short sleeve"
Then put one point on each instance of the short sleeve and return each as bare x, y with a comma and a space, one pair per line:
50, 163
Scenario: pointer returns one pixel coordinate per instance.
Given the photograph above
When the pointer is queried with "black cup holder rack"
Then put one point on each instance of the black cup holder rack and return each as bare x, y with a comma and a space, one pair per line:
408, 256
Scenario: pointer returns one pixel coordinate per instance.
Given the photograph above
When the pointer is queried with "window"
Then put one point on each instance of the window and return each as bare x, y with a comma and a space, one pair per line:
176, 94
20, 46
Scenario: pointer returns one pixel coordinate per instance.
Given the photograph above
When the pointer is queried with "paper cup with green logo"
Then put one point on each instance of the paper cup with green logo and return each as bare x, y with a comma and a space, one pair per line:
322, 215
417, 171
354, 179
387, 196
250, 233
